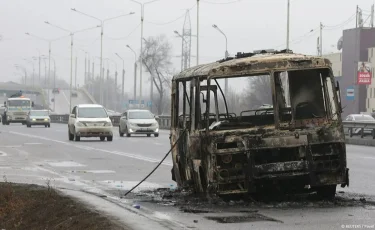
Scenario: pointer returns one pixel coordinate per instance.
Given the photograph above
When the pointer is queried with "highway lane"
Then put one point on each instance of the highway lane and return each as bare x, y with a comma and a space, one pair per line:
91, 152
62, 100
38, 154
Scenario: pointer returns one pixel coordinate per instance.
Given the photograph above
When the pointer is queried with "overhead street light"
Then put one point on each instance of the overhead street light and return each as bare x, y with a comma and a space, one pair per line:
22, 68
226, 54
101, 42
135, 72
49, 58
141, 56
71, 54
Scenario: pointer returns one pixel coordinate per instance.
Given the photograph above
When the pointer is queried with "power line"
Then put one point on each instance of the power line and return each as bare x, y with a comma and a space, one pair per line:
351, 18
121, 38
174, 20
302, 37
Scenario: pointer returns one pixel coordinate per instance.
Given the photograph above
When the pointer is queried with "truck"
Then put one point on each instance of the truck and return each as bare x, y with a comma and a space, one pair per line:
16, 109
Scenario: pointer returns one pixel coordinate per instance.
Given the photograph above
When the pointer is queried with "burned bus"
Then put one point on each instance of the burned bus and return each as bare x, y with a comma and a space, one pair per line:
259, 121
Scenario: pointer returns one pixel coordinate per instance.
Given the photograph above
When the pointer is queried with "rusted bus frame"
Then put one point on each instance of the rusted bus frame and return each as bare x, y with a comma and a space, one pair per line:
271, 74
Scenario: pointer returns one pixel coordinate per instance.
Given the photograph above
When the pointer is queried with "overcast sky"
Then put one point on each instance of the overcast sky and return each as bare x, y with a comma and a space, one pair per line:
248, 24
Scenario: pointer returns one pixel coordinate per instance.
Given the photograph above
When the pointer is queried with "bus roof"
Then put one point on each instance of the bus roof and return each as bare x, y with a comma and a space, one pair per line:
251, 63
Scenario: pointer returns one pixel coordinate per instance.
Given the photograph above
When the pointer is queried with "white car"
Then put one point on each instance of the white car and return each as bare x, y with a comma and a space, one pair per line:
138, 122
89, 120
360, 118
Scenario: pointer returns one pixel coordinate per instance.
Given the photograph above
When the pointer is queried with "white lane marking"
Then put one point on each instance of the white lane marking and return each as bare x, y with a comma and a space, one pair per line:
32, 143
96, 149
66, 164
3, 154
356, 157
94, 171
10, 146
65, 97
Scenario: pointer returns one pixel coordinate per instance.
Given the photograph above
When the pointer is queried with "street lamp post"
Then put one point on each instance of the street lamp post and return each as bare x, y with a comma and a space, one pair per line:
109, 86
141, 56
32, 63
123, 80
24, 70
226, 54
287, 25
135, 72
49, 58
101, 42
197, 32
71, 55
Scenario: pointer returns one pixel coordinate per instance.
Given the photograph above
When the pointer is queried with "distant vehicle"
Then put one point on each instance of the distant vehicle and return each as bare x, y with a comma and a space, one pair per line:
74, 94
56, 90
89, 120
2, 111
138, 122
360, 118
38, 117
16, 109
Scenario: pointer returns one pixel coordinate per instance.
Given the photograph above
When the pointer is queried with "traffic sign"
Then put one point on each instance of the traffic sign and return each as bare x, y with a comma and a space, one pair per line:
149, 103
350, 93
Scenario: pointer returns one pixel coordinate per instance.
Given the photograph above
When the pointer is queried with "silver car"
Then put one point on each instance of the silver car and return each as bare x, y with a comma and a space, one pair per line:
138, 122
38, 117
360, 118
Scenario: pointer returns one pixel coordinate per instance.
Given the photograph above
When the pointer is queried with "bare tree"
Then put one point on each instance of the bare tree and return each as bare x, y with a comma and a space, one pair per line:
257, 92
157, 61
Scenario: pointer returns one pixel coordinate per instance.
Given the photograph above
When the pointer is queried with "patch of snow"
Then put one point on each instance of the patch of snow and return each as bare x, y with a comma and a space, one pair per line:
66, 164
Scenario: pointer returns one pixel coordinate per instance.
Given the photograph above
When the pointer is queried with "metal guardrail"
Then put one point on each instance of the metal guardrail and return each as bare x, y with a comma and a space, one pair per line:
164, 121
351, 126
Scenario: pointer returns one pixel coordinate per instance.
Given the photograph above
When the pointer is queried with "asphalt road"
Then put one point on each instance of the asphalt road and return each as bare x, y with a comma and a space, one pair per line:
45, 156
62, 101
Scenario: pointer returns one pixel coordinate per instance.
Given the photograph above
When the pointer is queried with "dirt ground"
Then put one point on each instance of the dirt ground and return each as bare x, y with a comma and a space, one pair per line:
31, 207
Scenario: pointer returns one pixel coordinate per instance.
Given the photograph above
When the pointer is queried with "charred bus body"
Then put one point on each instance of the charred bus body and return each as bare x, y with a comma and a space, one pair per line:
295, 141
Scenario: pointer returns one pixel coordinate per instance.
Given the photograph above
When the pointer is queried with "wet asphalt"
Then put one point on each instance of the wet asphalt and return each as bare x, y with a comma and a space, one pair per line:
45, 156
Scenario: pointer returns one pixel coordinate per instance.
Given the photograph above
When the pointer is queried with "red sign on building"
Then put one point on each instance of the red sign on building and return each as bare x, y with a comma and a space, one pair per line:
364, 73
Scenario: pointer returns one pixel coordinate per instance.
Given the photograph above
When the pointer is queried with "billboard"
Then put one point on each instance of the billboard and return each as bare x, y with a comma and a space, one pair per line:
364, 73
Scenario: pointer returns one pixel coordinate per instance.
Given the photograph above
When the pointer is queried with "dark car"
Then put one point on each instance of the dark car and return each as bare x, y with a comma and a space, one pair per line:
56, 90
74, 94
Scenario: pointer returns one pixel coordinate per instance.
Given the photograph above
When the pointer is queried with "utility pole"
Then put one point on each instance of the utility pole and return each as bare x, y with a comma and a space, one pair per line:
92, 77
321, 39
75, 77
86, 72
114, 91
197, 32
39, 70
123, 81
123, 88
49, 72
108, 89
287, 25
372, 16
